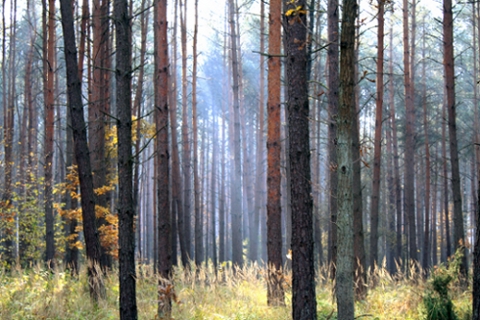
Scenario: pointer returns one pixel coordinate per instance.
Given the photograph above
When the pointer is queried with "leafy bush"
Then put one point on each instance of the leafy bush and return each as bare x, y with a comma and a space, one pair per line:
437, 300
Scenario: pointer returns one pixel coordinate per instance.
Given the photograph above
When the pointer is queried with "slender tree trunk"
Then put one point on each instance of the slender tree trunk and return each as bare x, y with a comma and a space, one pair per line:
137, 112
98, 109
458, 231
237, 255
196, 183
333, 88
476, 249
74, 91
275, 293
434, 220
185, 138
360, 262
260, 167
426, 242
377, 156
409, 138
448, 251
303, 288
126, 209
49, 133
213, 192
161, 82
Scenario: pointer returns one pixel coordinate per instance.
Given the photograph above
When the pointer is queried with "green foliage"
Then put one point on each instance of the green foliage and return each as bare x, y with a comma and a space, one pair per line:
437, 300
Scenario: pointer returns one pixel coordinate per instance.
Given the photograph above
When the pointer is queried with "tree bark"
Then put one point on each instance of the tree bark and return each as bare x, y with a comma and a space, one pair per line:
275, 293
237, 254
345, 258
458, 231
260, 167
126, 209
196, 184
303, 272
49, 133
333, 87
161, 82
409, 138
426, 242
98, 109
187, 165
74, 91
377, 153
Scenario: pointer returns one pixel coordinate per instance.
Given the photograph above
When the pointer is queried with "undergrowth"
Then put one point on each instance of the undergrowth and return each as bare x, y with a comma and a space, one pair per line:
40, 294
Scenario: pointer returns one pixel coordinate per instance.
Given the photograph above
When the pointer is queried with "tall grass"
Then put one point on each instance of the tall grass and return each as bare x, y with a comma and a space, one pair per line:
201, 294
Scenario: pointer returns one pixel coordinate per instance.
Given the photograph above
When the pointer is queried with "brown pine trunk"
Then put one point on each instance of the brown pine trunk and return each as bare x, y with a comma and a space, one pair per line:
49, 133
98, 109
458, 231
377, 156
161, 143
74, 91
333, 85
275, 293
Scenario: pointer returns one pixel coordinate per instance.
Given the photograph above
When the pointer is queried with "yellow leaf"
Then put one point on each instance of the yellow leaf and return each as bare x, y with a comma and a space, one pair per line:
290, 12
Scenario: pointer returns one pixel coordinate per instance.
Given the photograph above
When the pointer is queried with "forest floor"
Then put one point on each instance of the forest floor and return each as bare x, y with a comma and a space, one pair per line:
40, 294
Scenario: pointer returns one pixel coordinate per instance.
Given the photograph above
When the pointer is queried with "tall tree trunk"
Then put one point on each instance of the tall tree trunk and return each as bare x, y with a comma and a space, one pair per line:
196, 184
377, 156
333, 88
176, 176
161, 143
458, 231
137, 112
49, 133
360, 262
344, 276
260, 167
187, 165
275, 293
448, 249
237, 254
74, 91
396, 166
126, 209
426, 242
98, 109
213, 192
409, 137
303, 288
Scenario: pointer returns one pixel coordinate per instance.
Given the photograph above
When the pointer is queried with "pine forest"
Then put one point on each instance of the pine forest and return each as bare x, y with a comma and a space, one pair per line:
240, 159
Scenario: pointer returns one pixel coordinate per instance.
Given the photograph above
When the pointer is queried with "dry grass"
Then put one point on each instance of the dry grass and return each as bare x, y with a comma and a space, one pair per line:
39, 294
